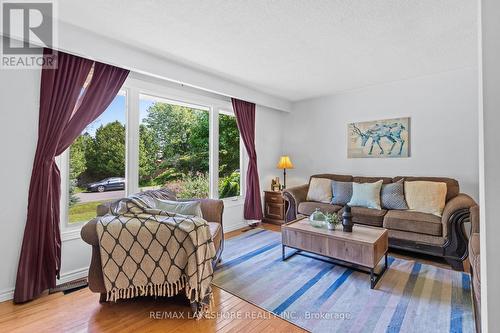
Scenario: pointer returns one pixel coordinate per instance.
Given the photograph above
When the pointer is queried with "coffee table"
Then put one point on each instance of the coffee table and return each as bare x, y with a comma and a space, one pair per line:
361, 250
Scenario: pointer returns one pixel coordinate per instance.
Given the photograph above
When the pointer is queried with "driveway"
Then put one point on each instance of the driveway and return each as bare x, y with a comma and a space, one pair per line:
99, 196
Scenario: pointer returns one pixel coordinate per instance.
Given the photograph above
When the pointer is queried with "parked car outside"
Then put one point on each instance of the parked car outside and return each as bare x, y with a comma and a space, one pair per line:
107, 184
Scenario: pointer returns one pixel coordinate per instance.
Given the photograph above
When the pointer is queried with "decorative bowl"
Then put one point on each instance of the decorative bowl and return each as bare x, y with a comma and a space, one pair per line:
317, 219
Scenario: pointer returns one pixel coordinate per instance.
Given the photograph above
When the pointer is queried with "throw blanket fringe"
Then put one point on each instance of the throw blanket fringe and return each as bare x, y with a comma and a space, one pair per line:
158, 290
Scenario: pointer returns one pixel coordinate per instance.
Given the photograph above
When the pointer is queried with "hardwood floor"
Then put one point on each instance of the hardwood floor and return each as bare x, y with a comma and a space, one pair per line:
80, 311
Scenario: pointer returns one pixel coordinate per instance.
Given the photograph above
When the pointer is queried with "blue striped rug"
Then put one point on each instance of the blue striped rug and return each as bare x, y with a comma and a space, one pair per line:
323, 297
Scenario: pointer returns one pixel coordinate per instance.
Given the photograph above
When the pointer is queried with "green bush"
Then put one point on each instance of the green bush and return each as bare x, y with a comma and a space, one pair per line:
229, 186
194, 186
166, 176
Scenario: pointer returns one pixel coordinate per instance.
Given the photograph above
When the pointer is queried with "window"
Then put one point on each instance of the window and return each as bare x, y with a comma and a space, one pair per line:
150, 137
229, 156
97, 163
174, 147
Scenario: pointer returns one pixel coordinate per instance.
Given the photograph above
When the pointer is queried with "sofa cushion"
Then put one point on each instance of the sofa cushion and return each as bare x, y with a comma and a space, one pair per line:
333, 176
452, 186
308, 207
341, 192
392, 196
320, 189
414, 237
368, 216
366, 195
421, 223
426, 197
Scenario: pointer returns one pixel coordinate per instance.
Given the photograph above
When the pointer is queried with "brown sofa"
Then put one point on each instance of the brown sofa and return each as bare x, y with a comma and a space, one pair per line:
419, 232
212, 212
475, 269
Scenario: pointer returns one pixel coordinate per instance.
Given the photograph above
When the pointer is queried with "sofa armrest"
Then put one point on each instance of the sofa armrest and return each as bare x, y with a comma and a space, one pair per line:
103, 208
212, 210
89, 233
461, 202
474, 219
455, 214
294, 196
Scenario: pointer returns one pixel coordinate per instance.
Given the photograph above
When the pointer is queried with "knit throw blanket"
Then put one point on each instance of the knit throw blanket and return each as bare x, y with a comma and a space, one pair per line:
149, 252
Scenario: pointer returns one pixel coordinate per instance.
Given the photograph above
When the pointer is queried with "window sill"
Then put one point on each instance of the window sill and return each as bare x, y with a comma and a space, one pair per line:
71, 233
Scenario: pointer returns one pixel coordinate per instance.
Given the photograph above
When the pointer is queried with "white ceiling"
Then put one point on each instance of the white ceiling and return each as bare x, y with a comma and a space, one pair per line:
293, 49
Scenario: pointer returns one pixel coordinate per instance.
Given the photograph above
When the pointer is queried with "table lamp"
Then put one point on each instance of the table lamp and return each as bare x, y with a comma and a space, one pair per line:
284, 163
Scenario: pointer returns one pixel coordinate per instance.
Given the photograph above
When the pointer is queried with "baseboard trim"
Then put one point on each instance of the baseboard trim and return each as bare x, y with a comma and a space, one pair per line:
235, 227
73, 275
6, 295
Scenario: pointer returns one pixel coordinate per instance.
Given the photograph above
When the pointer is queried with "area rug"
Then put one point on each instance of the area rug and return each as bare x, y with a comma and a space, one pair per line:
323, 297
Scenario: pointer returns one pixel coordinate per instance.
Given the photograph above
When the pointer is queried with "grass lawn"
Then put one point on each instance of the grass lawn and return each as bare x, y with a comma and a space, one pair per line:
83, 212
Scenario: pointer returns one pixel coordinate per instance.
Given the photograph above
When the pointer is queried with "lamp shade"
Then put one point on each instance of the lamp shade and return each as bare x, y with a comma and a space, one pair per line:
285, 163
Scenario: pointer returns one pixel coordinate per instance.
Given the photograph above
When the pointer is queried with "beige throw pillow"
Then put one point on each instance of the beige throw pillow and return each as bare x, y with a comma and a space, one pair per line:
320, 189
426, 197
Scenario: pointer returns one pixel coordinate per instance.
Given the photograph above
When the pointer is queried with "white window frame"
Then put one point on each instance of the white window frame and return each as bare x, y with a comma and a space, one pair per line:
243, 160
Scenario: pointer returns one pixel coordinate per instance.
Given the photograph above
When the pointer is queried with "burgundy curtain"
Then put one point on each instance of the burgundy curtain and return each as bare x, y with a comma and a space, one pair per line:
245, 118
64, 113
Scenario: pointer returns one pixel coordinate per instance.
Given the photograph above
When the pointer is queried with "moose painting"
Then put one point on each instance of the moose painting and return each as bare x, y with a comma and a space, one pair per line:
380, 138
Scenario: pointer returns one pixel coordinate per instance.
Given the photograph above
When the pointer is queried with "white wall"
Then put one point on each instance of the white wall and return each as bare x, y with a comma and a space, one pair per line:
19, 98
489, 159
444, 135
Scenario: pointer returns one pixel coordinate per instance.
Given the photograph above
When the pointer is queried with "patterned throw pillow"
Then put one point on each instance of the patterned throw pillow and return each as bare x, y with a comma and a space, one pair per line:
393, 196
366, 195
320, 190
342, 192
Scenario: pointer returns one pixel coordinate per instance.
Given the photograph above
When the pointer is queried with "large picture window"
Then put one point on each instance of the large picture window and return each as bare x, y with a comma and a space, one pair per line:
174, 147
148, 140
97, 163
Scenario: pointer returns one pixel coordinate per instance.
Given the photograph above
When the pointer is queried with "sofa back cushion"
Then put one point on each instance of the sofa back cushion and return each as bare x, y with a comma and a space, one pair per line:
452, 186
333, 176
363, 179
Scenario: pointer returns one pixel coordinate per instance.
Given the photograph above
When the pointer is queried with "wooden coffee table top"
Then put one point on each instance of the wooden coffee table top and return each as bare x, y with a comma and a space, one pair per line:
359, 234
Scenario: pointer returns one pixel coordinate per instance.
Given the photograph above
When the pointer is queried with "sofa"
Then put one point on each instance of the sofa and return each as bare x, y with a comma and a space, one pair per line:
212, 210
475, 263
409, 230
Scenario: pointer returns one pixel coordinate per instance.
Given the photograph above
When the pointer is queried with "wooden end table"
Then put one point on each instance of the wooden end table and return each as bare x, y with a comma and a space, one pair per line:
364, 247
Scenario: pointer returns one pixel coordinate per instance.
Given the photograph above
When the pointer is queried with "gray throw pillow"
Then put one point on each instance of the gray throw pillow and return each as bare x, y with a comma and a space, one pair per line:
342, 193
192, 208
393, 196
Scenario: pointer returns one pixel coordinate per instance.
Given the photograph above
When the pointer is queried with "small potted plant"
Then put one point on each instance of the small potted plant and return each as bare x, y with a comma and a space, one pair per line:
333, 220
